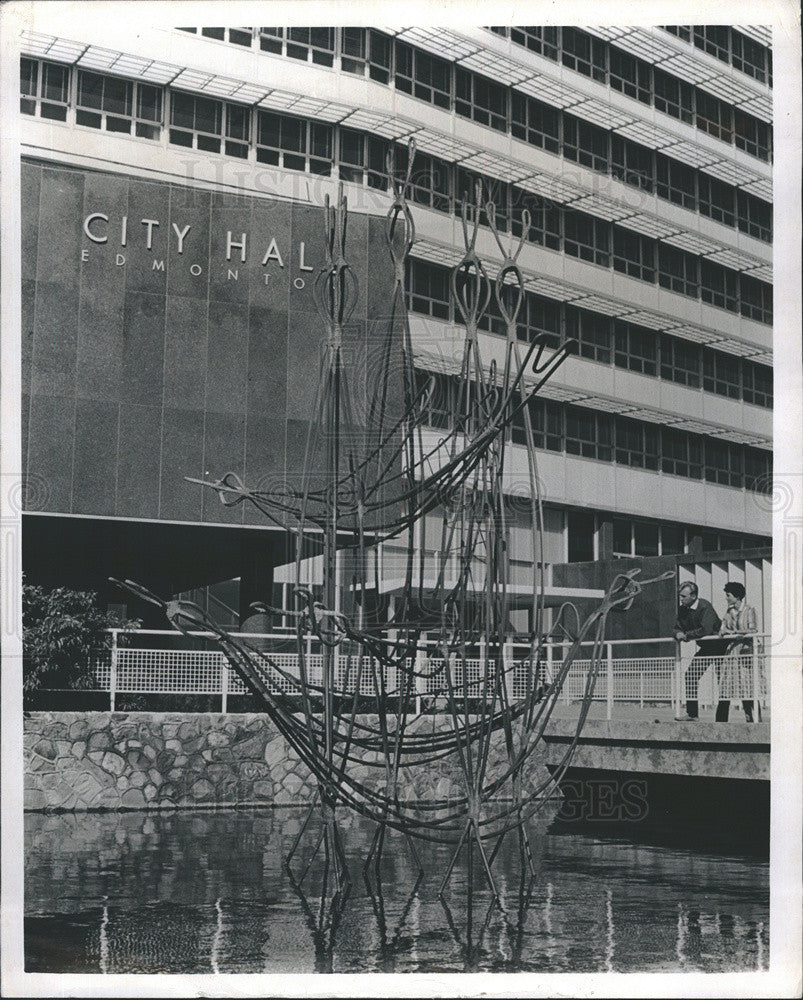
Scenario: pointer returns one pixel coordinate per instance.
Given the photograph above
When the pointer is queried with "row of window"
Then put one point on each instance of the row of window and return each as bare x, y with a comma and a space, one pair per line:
587, 54
603, 339
436, 183
607, 244
730, 46
577, 430
638, 537
366, 51
299, 144
605, 62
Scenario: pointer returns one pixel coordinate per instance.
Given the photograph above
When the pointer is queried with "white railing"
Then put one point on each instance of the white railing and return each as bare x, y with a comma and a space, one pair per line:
159, 661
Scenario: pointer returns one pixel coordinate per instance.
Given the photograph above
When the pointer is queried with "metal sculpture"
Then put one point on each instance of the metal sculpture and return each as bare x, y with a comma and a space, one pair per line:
373, 473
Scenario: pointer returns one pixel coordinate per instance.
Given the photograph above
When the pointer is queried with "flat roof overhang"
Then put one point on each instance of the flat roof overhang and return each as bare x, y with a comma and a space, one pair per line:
519, 595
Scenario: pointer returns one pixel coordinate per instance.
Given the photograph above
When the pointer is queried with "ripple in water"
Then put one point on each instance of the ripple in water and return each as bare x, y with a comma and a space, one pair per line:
206, 892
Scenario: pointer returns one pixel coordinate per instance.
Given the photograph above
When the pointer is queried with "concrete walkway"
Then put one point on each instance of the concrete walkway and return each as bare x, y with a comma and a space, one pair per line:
650, 741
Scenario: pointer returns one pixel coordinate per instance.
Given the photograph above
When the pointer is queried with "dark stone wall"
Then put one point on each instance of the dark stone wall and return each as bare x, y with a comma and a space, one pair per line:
142, 365
76, 761
652, 613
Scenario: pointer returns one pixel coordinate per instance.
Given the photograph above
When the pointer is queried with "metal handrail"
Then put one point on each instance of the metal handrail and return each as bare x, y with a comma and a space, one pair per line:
646, 673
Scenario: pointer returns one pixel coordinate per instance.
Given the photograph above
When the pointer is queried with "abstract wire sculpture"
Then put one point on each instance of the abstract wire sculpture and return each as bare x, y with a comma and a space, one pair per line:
372, 474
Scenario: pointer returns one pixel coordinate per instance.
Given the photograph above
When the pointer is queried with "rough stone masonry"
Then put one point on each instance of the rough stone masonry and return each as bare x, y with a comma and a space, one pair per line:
148, 760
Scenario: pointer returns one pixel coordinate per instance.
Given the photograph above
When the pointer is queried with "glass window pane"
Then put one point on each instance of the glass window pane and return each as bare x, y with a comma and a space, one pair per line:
117, 96
208, 115
182, 110
90, 90
29, 73
149, 103
55, 80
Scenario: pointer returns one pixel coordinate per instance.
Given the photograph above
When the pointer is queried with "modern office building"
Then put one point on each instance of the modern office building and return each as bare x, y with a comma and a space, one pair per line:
173, 183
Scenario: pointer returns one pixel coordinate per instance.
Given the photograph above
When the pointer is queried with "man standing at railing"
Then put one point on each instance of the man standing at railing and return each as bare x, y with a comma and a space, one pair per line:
696, 618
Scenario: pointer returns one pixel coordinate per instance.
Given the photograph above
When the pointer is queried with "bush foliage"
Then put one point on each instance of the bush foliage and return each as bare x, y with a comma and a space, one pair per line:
64, 636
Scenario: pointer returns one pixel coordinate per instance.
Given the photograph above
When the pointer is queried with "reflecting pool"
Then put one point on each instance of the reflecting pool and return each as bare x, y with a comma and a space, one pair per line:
201, 892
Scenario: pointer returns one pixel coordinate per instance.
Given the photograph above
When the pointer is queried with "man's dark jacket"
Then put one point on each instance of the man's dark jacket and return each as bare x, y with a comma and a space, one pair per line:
702, 620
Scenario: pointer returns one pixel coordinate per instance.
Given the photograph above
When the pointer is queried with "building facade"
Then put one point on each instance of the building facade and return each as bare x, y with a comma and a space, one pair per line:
173, 184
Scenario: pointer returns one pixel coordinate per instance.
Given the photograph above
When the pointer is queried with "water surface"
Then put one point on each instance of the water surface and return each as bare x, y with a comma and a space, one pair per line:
201, 892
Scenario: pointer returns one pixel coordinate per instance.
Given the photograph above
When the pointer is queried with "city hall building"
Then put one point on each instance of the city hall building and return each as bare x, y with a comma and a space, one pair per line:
173, 183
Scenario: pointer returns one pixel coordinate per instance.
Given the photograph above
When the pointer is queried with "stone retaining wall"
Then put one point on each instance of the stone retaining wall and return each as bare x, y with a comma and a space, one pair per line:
149, 760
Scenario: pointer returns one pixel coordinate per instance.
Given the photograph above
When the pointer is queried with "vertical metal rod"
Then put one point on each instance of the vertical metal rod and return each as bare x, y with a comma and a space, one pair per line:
113, 671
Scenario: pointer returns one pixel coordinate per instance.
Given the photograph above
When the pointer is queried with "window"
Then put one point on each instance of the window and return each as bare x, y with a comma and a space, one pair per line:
677, 270
29, 81
589, 433
636, 443
437, 408
544, 41
545, 219
581, 528
681, 453
630, 75
755, 299
380, 56
714, 39
757, 384
294, 143
752, 135
481, 99
722, 373
428, 288
631, 163
673, 96
44, 88
680, 361
237, 36
315, 45
716, 199
679, 30
622, 537
673, 540
466, 184
535, 122
546, 422
429, 183
633, 254
714, 116
492, 320
646, 538
196, 122
422, 75
586, 237
757, 470
238, 130
754, 216
540, 316
592, 332
104, 102
675, 181
353, 49
365, 47
584, 53
362, 158
723, 463
636, 348
585, 143
719, 285
748, 56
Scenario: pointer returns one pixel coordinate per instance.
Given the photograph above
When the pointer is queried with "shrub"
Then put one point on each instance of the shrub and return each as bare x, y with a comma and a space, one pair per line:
63, 636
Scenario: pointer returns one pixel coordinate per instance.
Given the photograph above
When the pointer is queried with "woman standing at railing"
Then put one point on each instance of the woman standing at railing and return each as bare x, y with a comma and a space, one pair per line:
739, 623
